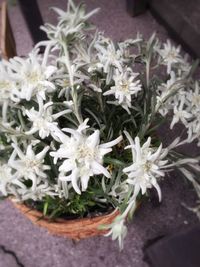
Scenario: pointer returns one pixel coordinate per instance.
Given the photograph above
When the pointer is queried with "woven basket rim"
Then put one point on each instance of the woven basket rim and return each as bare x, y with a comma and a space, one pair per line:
72, 228
27, 210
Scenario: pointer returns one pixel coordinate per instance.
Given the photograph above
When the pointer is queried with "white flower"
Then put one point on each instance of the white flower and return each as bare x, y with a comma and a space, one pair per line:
109, 56
119, 190
32, 76
42, 190
166, 88
8, 89
43, 120
185, 67
194, 96
170, 55
192, 105
125, 86
146, 167
166, 94
118, 230
74, 15
71, 22
83, 156
8, 86
29, 166
180, 114
86, 55
7, 178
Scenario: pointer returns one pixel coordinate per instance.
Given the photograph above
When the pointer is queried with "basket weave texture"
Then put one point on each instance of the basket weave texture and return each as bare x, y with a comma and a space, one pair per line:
75, 229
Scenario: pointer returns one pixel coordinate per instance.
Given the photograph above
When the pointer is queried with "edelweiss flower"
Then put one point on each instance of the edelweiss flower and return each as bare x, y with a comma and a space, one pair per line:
119, 190
192, 105
170, 55
180, 114
83, 156
109, 56
118, 230
8, 86
194, 96
166, 88
146, 167
43, 120
125, 87
29, 166
71, 22
74, 15
32, 76
8, 89
165, 98
86, 55
7, 178
42, 190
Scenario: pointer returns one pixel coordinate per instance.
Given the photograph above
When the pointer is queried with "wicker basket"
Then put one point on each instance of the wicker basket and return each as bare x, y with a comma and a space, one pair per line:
7, 42
75, 229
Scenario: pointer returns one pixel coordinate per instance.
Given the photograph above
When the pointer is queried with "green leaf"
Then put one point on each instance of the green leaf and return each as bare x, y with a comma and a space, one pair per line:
46, 204
193, 68
116, 162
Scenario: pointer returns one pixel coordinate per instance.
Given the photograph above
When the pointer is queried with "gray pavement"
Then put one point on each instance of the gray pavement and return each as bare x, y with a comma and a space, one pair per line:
24, 244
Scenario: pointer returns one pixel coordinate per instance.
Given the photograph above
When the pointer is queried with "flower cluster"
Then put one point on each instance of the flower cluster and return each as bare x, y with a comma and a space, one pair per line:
83, 154
78, 123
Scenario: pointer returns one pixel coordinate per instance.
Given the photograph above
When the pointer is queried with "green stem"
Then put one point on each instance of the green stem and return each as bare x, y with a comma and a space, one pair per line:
100, 102
147, 72
74, 91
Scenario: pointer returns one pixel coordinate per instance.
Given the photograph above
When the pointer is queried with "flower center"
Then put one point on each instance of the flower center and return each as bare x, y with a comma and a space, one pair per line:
5, 85
65, 83
147, 166
172, 55
33, 77
196, 100
30, 163
85, 153
124, 86
42, 122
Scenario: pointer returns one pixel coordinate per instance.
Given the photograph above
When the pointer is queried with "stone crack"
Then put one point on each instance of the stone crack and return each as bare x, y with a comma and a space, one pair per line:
12, 253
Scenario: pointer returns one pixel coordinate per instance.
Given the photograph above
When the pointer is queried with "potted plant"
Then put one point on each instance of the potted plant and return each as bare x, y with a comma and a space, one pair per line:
79, 146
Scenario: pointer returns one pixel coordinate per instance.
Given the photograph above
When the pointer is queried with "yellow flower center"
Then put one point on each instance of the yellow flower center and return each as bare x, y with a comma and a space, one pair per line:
65, 83
5, 85
124, 86
84, 152
33, 77
196, 100
29, 163
147, 166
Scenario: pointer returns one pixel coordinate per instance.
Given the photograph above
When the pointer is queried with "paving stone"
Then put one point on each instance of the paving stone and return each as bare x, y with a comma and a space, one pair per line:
7, 259
180, 249
181, 18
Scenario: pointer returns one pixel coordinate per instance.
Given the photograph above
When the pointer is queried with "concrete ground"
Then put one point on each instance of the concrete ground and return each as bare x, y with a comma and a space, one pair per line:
24, 244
